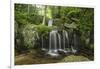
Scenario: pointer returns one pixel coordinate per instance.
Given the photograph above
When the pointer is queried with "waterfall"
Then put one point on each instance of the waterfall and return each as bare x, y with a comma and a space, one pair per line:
59, 39
58, 43
43, 44
50, 22
65, 39
52, 41
73, 47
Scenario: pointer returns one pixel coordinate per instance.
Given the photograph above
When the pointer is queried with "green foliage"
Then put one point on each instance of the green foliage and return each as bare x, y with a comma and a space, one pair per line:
43, 29
21, 19
29, 18
30, 36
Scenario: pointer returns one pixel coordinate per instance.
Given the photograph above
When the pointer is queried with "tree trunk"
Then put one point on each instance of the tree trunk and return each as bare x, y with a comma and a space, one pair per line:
44, 18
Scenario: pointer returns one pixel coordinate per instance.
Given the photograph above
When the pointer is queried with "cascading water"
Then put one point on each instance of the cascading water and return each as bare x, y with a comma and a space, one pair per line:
65, 39
74, 46
59, 39
58, 42
50, 22
52, 41
43, 44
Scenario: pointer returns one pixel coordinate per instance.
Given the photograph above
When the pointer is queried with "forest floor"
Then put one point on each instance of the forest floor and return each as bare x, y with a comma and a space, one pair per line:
31, 58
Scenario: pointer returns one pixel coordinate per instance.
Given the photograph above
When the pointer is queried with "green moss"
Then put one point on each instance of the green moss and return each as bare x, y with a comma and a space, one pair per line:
43, 29
73, 58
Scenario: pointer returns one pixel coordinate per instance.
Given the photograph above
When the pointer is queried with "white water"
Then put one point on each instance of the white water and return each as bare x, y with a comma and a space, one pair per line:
59, 38
63, 39
50, 22
65, 36
55, 39
52, 48
43, 44
73, 49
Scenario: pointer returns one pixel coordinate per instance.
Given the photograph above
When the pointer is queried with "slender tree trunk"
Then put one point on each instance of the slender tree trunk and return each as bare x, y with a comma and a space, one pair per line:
44, 18
28, 12
59, 8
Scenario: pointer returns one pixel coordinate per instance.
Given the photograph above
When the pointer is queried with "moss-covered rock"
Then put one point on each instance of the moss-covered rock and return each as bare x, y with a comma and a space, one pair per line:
74, 58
